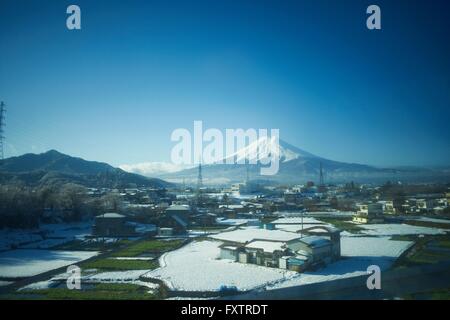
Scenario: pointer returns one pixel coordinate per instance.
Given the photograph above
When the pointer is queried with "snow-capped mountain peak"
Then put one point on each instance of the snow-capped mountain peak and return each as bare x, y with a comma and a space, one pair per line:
265, 146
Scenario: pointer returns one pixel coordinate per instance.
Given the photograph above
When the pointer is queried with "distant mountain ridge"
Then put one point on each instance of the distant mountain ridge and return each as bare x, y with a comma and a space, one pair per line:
55, 167
297, 165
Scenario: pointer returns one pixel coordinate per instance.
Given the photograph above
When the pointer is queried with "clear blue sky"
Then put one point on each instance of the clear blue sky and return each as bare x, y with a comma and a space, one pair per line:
137, 70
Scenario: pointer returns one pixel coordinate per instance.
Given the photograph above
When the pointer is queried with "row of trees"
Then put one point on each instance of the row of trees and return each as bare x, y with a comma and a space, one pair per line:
25, 207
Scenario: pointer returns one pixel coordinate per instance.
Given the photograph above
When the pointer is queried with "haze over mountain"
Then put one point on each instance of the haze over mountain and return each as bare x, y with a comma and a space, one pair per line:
296, 166
55, 167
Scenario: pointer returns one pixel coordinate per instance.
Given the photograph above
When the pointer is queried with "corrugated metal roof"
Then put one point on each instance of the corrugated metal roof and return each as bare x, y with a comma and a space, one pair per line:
315, 241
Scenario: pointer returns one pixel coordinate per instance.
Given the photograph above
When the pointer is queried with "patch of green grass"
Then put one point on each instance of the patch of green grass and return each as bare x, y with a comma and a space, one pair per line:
110, 291
148, 246
438, 294
441, 294
404, 238
116, 286
114, 264
425, 256
423, 251
428, 224
443, 243
91, 246
346, 225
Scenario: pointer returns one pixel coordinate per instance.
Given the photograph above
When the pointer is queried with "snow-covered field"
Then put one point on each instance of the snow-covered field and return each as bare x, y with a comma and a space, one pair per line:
131, 276
46, 236
345, 268
357, 254
398, 229
380, 247
195, 267
26, 263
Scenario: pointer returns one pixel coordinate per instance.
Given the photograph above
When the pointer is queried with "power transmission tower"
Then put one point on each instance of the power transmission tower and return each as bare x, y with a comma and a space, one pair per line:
199, 183
321, 182
2, 126
322, 187
247, 179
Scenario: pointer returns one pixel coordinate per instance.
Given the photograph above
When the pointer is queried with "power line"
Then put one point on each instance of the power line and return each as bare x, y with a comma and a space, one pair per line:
2, 126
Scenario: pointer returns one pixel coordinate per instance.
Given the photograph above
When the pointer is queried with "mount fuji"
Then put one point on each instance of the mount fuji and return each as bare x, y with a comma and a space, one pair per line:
295, 166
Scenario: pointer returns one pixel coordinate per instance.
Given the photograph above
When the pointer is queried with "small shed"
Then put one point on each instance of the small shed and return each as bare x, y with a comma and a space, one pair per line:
270, 226
229, 252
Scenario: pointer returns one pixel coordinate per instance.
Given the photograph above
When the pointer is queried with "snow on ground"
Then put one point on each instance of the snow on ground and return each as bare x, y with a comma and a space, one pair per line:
248, 234
67, 230
4, 283
195, 267
149, 285
298, 220
381, 247
40, 285
45, 236
341, 269
357, 254
131, 276
398, 229
26, 262
115, 276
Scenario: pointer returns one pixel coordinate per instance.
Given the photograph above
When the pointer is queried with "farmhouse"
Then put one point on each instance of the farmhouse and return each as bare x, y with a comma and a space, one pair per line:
176, 217
280, 249
317, 248
112, 225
